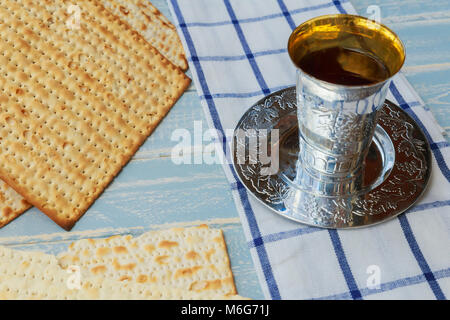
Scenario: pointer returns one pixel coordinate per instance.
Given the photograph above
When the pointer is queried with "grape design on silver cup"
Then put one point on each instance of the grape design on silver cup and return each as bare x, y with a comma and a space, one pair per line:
344, 66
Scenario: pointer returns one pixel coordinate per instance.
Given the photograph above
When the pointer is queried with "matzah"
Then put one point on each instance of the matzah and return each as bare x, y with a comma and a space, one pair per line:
76, 101
12, 204
35, 275
142, 16
193, 259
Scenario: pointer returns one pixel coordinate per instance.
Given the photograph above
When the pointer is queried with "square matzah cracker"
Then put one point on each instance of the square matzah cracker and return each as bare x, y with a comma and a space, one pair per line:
36, 275
12, 204
76, 101
142, 16
191, 259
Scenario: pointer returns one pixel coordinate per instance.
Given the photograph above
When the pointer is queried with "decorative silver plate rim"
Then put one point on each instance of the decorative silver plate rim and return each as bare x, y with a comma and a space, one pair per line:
409, 174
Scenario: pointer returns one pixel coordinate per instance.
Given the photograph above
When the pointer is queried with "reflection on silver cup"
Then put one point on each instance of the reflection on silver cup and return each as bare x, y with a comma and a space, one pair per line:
336, 123
344, 66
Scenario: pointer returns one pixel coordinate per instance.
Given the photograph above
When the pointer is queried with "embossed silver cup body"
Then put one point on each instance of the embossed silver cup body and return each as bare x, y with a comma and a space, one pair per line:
337, 121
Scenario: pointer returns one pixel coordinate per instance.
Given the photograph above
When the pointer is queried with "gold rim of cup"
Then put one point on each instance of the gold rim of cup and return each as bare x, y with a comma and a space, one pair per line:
351, 32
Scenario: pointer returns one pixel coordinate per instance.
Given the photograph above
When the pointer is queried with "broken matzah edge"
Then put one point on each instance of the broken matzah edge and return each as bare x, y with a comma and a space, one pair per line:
149, 10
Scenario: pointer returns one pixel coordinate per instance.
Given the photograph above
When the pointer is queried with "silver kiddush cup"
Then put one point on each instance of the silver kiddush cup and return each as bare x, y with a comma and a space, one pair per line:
337, 119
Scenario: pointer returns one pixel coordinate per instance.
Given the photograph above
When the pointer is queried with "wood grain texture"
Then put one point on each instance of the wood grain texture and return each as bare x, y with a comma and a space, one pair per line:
424, 28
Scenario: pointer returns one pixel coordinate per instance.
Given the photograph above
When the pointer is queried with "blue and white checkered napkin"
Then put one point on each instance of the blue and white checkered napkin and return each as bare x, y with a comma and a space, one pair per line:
237, 54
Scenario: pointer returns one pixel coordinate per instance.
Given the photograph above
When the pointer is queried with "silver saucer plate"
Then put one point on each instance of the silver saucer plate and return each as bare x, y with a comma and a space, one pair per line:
396, 170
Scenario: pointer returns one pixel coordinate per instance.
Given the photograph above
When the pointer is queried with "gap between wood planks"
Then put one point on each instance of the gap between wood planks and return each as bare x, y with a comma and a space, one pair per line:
61, 237
408, 70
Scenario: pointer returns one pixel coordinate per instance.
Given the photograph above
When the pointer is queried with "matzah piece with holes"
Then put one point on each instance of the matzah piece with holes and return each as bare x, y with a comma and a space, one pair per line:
193, 259
76, 101
142, 16
12, 204
36, 275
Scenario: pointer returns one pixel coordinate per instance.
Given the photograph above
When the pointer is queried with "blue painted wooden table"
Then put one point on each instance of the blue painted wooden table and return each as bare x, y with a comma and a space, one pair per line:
152, 192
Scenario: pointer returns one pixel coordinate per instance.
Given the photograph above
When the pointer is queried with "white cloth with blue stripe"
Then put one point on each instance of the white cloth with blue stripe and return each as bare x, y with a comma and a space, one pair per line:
236, 52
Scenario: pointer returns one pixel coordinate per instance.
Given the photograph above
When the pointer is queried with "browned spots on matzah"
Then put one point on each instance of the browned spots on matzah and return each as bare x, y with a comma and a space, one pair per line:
216, 284
191, 255
120, 249
128, 266
213, 268
161, 259
77, 103
125, 278
98, 270
209, 253
213, 285
167, 244
103, 251
156, 258
35, 275
6, 212
142, 278
206, 285
186, 272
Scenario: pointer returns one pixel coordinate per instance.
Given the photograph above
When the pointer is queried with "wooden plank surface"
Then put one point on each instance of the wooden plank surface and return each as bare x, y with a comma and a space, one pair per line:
424, 27
152, 192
